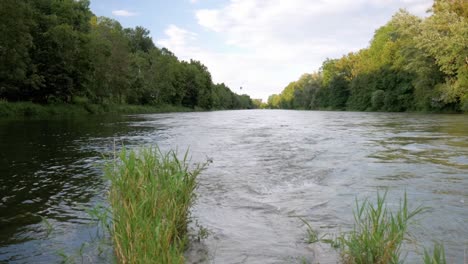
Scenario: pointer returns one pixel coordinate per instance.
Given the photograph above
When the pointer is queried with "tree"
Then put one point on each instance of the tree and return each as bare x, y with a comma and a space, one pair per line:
60, 54
15, 43
139, 39
339, 92
57, 51
111, 61
274, 101
444, 36
378, 97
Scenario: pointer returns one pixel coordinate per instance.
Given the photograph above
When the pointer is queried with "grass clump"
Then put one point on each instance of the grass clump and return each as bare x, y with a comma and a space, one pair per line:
150, 196
312, 234
437, 256
378, 233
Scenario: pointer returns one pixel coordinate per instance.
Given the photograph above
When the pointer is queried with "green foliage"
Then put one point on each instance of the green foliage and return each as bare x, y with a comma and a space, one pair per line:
32, 110
378, 98
139, 39
150, 195
60, 55
437, 256
443, 37
362, 88
378, 233
412, 64
464, 103
274, 101
339, 92
52, 51
259, 104
312, 234
80, 100
15, 43
298, 95
329, 70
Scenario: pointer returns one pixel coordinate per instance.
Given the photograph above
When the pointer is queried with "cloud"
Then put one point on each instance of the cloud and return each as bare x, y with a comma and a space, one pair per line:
123, 13
177, 38
264, 45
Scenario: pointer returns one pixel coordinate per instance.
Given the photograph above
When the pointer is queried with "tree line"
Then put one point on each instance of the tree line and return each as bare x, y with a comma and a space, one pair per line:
411, 64
58, 51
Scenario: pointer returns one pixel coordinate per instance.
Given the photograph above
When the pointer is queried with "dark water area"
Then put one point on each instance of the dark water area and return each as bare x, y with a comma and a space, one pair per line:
269, 168
50, 169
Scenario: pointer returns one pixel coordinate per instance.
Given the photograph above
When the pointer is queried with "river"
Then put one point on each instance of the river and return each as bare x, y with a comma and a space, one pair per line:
269, 168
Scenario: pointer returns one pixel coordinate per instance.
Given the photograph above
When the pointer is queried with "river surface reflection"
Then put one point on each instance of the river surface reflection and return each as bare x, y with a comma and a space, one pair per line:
269, 167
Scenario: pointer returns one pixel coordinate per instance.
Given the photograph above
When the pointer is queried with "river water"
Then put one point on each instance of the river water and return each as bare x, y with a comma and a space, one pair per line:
270, 168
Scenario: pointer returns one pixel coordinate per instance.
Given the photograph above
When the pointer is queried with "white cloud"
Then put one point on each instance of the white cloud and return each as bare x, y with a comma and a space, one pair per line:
123, 13
271, 43
177, 38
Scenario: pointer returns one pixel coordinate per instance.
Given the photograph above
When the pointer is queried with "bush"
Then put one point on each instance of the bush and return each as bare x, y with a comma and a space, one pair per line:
80, 100
377, 99
464, 103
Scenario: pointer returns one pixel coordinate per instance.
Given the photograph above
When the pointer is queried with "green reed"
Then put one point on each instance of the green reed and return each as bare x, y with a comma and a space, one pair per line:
150, 196
437, 256
378, 233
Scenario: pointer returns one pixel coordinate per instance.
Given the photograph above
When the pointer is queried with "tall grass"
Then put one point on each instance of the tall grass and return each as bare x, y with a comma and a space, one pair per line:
378, 233
150, 195
78, 108
29, 109
437, 256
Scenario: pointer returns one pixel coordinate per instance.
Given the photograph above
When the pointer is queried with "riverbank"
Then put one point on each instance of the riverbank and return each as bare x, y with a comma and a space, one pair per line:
33, 110
150, 196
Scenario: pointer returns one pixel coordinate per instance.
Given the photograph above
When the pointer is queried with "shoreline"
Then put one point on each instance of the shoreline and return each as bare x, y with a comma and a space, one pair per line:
30, 110
20, 110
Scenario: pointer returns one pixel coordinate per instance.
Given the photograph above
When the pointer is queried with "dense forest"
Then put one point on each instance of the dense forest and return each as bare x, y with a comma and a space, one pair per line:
59, 52
411, 64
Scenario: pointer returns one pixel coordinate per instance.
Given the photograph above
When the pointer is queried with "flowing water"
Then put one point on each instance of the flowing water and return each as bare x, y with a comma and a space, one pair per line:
270, 167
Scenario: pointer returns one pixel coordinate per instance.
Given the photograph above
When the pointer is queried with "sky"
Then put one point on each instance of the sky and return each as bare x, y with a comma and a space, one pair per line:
259, 45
